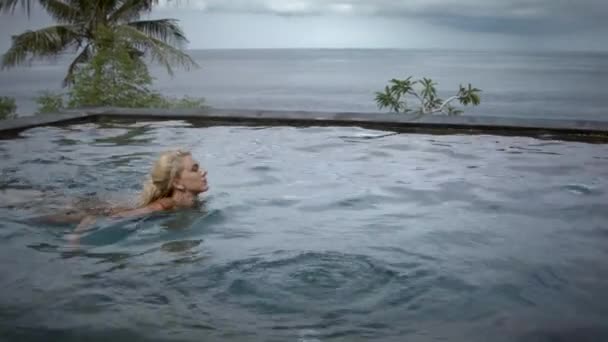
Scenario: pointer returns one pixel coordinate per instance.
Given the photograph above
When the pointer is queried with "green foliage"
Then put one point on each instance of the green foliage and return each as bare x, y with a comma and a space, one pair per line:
49, 102
395, 95
80, 25
113, 78
8, 108
53, 103
110, 40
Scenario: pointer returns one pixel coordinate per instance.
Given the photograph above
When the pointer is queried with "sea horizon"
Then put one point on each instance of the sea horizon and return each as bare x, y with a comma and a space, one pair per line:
537, 83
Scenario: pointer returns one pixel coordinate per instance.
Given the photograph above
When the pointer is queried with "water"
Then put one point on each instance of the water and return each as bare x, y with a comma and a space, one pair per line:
515, 84
308, 234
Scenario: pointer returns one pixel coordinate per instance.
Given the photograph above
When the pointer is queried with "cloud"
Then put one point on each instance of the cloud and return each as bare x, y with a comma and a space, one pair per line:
506, 16
519, 24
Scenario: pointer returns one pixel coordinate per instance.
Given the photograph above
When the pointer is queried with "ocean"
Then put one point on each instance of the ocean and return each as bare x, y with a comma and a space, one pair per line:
514, 84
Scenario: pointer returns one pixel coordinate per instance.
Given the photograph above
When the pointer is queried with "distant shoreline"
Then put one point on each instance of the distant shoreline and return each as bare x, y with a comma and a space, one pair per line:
434, 50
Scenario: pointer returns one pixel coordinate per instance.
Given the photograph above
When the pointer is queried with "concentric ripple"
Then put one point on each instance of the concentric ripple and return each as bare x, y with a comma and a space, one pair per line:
309, 281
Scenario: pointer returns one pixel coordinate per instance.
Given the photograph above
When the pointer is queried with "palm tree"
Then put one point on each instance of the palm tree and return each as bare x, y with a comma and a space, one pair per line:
10, 5
79, 27
393, 97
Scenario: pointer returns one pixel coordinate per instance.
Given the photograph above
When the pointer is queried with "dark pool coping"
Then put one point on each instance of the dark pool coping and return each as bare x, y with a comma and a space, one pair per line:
571, 129
26, 122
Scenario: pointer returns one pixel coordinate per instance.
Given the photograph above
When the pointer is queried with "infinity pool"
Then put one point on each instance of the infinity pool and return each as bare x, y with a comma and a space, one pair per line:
307, 234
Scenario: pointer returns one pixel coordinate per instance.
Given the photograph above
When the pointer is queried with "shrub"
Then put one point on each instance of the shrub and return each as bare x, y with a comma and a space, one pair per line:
49, 103
395, 97
8, 108
113, 78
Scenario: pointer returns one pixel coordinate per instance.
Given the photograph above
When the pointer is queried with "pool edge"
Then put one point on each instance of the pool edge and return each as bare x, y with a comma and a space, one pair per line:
559, 128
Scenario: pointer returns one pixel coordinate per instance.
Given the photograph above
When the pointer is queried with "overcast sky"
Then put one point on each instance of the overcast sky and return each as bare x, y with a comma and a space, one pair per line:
464, 24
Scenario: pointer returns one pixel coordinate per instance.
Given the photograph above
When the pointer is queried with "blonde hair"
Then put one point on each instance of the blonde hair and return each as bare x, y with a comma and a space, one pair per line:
160, 181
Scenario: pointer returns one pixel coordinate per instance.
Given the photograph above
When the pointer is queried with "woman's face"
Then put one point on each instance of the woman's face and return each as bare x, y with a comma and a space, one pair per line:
192, 178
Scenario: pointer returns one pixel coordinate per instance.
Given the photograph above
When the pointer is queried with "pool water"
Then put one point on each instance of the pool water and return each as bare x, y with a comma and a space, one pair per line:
307, 234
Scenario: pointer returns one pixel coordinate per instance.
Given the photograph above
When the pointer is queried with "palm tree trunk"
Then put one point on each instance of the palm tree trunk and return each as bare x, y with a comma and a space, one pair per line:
445, 103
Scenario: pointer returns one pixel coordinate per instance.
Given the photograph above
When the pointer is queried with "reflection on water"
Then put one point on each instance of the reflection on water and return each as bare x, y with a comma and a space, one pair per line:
307, 234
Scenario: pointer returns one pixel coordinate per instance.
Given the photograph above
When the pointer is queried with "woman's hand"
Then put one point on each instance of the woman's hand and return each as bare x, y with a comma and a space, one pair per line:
85, 223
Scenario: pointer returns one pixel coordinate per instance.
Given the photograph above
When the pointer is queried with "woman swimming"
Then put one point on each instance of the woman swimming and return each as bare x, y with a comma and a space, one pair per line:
175, 181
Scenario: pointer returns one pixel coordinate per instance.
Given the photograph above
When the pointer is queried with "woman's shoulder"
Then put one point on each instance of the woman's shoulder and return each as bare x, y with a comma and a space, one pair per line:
158, 205
163, 204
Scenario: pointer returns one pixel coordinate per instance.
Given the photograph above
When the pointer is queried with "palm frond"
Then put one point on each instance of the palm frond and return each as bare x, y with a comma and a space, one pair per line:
83, 57
158, 50
41, 43
389, 99
469, 95
165, 30
62, 11
401, 87
128, 10
8, 6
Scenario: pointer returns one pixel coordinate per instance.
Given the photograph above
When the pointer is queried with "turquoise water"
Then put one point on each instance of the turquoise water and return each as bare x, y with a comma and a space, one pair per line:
307, 234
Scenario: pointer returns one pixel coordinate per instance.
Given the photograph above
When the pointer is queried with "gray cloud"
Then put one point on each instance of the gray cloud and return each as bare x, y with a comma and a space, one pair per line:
459, 24
503, 16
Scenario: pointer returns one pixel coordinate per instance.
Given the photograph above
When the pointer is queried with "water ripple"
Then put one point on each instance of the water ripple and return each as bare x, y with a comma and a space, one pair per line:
312, 281
314, 234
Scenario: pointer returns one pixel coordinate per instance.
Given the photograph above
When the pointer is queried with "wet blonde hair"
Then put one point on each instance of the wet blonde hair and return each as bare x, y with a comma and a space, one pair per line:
160, 181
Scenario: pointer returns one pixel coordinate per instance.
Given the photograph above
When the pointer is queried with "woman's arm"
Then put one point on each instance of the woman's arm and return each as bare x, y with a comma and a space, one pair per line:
160, 205
88, 221
133, 212
84, 224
